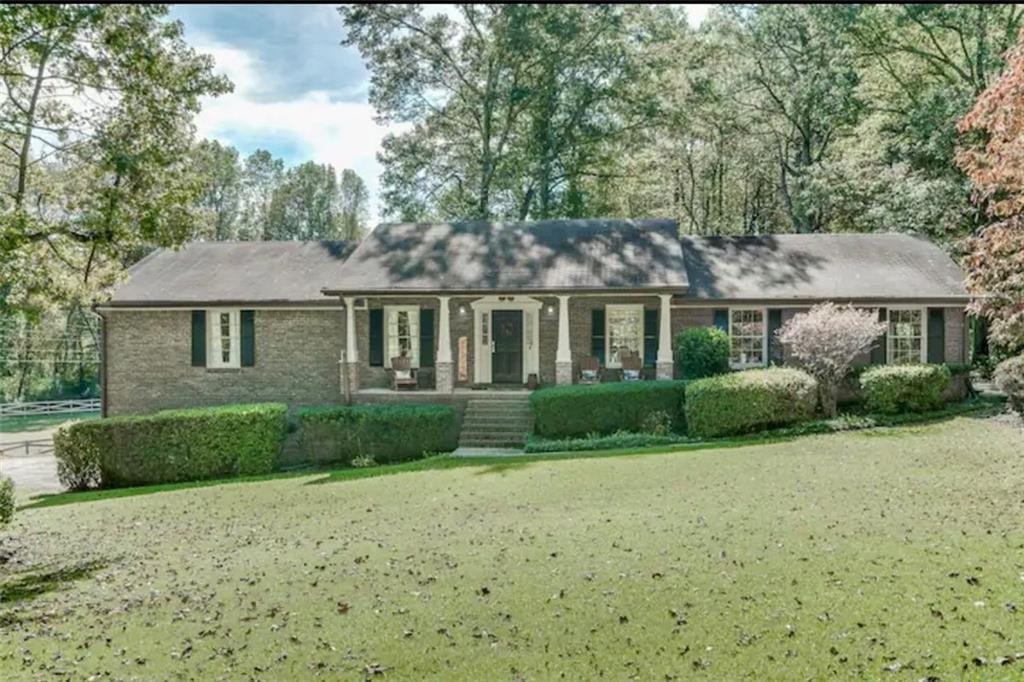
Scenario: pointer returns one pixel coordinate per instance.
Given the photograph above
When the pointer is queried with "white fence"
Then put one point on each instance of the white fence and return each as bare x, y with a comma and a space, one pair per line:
49, 407
25, 448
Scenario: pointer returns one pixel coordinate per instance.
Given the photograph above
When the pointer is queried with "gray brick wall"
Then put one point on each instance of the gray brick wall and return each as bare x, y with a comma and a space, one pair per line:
149, 362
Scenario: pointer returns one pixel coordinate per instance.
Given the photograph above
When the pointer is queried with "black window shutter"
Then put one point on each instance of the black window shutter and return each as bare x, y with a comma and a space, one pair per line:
650, 336
722, 319
936, 335
248, 350
774, 347
426, 337
878, 353
376, 337
199, 338
597, 333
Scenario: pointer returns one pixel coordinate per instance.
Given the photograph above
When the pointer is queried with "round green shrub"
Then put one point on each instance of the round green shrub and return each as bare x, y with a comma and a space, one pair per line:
702, 352
6, 500
748, 401
1009, 378
892, 389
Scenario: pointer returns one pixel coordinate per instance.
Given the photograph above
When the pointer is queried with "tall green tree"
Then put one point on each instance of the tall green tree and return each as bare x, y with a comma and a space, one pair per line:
311, 203
516, 110
220, 200
95, 134
261, 175
353, 206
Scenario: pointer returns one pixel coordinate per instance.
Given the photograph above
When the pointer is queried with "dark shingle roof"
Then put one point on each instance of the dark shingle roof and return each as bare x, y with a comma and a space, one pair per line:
551, 255
820, 266
535, 256
234, 272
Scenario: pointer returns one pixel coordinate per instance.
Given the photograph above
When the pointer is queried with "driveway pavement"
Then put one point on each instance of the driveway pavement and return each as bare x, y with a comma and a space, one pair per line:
32, 473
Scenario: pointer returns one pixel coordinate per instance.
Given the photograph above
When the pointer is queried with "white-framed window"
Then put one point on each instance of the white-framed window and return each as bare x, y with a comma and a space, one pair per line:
748, 338
402, 333
624, 331
905, 341
223, 338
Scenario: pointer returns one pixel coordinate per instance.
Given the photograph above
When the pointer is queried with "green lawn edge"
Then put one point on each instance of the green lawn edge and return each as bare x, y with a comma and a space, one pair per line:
982, 406
40, 422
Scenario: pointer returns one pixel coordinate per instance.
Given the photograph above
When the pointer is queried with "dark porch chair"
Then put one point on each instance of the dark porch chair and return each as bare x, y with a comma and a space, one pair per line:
590, 370
402, 374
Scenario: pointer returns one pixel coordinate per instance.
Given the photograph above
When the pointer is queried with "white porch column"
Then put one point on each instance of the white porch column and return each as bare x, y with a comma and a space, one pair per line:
444, 378
664, 367
351, 350
563, 353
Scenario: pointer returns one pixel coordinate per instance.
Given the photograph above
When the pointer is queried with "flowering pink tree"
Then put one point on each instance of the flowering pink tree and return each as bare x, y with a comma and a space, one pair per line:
825, 340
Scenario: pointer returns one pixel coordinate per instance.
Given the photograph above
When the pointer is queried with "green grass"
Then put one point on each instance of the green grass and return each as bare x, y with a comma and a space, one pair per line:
894, 554
40, 422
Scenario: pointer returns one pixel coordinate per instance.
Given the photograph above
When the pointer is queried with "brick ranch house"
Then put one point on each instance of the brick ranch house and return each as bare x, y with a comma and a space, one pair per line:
483, 305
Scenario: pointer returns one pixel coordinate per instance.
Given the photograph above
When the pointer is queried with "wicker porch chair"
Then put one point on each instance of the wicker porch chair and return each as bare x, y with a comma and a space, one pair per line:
590, 370
402, 374
632, 366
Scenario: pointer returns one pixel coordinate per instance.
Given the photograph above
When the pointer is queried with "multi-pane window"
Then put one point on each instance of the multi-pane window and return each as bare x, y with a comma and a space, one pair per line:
906, 336
747, 336
403, 333
624, 333
223, 349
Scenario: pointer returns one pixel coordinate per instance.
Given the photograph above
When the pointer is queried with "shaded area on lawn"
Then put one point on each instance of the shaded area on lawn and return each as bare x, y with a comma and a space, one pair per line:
28, 585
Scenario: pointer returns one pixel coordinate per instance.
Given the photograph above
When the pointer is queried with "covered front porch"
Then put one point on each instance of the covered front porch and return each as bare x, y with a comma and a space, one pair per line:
449, 344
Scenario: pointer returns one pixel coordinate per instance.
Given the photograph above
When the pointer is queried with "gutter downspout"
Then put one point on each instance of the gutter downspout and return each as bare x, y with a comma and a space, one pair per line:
103, 360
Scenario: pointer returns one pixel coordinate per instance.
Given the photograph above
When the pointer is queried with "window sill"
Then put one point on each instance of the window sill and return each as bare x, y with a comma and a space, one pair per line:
223, 370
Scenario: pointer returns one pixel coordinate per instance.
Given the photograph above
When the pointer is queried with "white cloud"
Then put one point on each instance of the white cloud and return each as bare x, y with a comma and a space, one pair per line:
695, 14
341, 133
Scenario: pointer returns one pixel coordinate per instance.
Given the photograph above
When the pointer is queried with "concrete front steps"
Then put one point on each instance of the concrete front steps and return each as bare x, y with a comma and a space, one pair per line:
496, 420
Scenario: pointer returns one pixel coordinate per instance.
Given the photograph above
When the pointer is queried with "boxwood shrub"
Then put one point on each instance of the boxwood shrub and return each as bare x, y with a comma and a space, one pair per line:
387, 433
702, 352
567, 411
890, 389
173, 445
749, 401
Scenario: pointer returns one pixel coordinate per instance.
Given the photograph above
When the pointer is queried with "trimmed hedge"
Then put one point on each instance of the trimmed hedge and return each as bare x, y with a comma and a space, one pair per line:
388, 433
702, 352
170, 446
749, 401
566, 411
891, 389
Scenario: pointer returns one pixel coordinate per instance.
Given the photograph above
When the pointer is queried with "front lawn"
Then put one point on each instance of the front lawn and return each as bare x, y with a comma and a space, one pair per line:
895, 553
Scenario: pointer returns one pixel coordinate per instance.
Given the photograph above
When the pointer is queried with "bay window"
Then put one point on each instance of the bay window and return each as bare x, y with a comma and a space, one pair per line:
748, 338
624, 332
906, 336
402, 324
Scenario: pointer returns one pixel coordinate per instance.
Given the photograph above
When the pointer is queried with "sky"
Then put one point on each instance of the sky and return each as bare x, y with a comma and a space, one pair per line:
298, 92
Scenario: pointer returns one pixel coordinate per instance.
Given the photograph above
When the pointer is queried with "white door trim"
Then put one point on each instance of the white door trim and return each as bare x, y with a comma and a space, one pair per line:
530, 308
